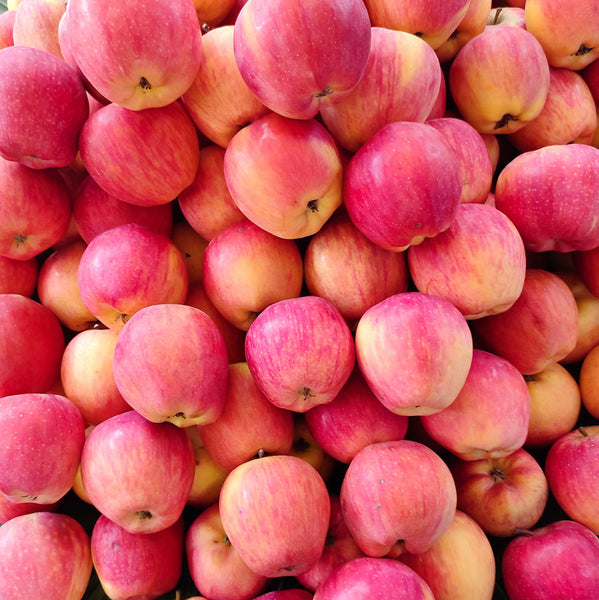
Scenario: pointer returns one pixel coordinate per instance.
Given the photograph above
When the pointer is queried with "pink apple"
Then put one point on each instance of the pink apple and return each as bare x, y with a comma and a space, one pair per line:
36, 24
127, 465
7, 22
300, 352
410, 195
18, 276
275, 511
291, 62
414, 351
397, 496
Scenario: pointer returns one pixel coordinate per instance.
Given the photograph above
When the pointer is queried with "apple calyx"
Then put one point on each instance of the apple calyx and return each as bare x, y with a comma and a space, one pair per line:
313, 205
497, 474
19, 239
144, 515
505, 120
582, 50
306, 393
583, 432
144, 84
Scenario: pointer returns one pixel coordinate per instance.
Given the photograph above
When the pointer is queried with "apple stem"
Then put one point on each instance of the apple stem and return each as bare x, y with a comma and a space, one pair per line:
260, 453
583, 432
497, 14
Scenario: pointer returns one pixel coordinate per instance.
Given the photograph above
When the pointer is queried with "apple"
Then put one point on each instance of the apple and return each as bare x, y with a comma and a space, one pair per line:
460, 565
285, 175
410, 195
246, 269
275, 511
18, 276
44, 554
414, 351
587, 382
192, 247
39, 93
215, 566
146, 174
586, 265
146, 66
440, 106
128, 463
489, 417
396, 497
291, 62
510, 14
43, 437
558, 560
478, 263
571, 470
36, 24
484, 84
31, 346
9, 510
7, 22
289, 352
400, 83
127, 268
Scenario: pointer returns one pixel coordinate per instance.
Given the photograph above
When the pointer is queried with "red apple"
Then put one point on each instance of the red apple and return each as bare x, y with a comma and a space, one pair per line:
18, 276
36, 24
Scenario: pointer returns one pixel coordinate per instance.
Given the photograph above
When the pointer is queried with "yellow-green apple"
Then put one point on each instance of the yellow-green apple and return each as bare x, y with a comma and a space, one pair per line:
538, 329
587, 382
207, 204
215, 566
147, 174
475, 160
353, 419
127, 268
552, 196
507, 15
42, 435
478, 263
400, 83
573, 475
212, 13
193, 390
396, 497
44, 554
557, 560
219, 100
489, 417
18, 276
300, 352
555, 405
36, 24
432, 22
339, 547
291, 62
7, 22
138, 473
558, 122
414, 351
503, 495
192, 247
31, 345
87, 377
342, 265
460, 565
95, 210
249, 424
137, 565
35, 209
568, 34
246, 269
145, 65
275, 511
483, 86
285, 175
40, 93
9, 510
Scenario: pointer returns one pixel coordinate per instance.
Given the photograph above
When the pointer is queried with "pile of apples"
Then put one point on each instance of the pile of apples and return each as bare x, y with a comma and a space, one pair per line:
299, 299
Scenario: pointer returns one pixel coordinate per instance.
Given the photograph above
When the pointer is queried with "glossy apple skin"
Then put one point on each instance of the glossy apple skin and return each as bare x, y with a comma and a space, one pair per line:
44, 554
284, 41
559, 560
276, 511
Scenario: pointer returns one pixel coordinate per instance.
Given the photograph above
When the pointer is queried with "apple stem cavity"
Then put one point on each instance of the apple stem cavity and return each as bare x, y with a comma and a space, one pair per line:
497, 15
497, 474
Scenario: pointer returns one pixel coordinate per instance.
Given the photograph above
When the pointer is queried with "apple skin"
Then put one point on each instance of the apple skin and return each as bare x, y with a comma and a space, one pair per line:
40, 93
460, 565
18, 276
589, 392
558, 560
215, 566
143, 56
126, 464
36, 24
396, 497
478, 263
135, 565
7, 22
285, 175
284, 41
414, 351
552, 195
127, 268
275, 511
489, 417
412, 194
511, 14
246, 269
388, 90
212, 13
44, 554
482, 82
9, 510
193, 390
